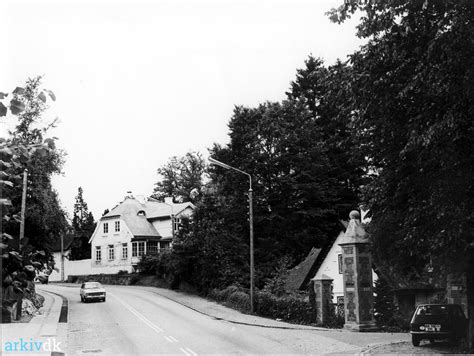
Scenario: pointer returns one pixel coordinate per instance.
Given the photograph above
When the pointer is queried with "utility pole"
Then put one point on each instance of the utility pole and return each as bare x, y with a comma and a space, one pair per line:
23, 207
19, 301
252, 266
62, 257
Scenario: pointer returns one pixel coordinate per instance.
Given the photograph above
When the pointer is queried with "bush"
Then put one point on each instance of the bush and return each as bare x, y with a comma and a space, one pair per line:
149, 264
134, 280
240, 300
295, 308
290, 307
122, 272
222, 295
386, 314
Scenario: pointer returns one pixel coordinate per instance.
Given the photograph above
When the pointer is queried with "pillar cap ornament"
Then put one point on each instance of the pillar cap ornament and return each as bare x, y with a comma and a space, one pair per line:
355, 232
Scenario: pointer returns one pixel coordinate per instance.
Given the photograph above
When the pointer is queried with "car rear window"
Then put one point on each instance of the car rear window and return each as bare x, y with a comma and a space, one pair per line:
92, 285
432, 310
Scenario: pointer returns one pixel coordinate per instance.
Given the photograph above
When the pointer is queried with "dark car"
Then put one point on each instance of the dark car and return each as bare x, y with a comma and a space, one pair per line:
438, 321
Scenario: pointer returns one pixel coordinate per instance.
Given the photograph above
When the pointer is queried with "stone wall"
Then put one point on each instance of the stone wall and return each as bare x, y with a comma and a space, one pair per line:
456, 291
84, 267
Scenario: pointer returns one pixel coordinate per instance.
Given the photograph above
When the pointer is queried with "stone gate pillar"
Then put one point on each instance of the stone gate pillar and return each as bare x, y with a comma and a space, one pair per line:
357, 277
323, 291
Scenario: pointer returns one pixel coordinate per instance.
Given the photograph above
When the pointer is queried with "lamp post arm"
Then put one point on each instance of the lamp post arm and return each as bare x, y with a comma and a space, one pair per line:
226, 166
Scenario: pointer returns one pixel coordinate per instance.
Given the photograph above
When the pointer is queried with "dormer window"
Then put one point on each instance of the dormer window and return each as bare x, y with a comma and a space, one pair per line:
141, 213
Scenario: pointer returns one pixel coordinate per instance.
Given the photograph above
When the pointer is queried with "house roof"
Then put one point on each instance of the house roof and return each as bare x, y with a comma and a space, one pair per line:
156, 209
67, 240
299, 276
138, 224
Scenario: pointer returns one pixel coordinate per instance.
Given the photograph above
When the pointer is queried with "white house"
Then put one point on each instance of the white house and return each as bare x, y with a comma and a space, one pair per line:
135, 227
58, 273
319, 262
331, 266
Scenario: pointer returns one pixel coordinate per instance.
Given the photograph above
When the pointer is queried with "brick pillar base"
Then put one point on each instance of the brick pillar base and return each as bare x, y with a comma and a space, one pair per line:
323, 291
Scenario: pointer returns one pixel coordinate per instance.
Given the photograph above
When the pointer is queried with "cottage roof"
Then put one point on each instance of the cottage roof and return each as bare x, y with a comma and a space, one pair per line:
156, 209
137, 214
299, 276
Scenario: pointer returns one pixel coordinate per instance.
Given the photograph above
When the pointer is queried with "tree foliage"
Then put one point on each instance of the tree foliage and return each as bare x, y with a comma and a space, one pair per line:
305, 178
45, 219
26, 148
413, 89
180, 177
83, 225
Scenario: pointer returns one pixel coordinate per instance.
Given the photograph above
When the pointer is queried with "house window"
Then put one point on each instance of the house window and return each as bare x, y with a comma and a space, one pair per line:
176, 224
111, 252
138, 248
124, 251
152, 247
117, 226
141, 248
106, 228
339, 263
98, 254
165, 244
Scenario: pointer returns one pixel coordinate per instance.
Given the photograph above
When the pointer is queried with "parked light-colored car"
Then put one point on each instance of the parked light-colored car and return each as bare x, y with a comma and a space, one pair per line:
92, 291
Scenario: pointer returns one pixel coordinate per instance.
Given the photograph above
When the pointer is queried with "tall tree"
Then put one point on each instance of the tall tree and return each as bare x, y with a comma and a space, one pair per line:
298, 196
45, 219
83, 225
413, 89
180, 176
18, 264
326, 93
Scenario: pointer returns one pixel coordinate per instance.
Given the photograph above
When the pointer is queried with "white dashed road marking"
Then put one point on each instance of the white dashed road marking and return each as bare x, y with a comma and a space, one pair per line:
138, 315
188, 351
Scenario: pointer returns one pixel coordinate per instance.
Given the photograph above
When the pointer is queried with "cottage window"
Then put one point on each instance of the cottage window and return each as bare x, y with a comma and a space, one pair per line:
106, 228
124, 251
165, 244
141, 248
152, 247
138, 248
111, 252
98, 254
176, 224
117, 226
339, 263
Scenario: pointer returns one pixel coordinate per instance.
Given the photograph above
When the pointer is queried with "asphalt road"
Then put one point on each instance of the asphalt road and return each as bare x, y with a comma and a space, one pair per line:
136, 321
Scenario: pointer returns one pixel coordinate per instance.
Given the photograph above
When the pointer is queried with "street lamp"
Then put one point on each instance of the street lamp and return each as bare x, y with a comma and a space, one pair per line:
252, 283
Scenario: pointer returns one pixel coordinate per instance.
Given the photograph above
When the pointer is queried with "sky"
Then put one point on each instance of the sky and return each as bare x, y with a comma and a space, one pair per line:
138, 82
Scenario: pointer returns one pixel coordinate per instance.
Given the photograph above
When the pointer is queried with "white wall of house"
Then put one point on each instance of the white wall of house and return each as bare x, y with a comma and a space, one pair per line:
163, 226
56, 275
84, 267
114, 240
330, 267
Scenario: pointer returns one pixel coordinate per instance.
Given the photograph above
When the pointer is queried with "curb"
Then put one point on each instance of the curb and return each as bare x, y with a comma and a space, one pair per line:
369, 348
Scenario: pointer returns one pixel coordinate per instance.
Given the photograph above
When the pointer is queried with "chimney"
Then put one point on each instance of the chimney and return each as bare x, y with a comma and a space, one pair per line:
169, 200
